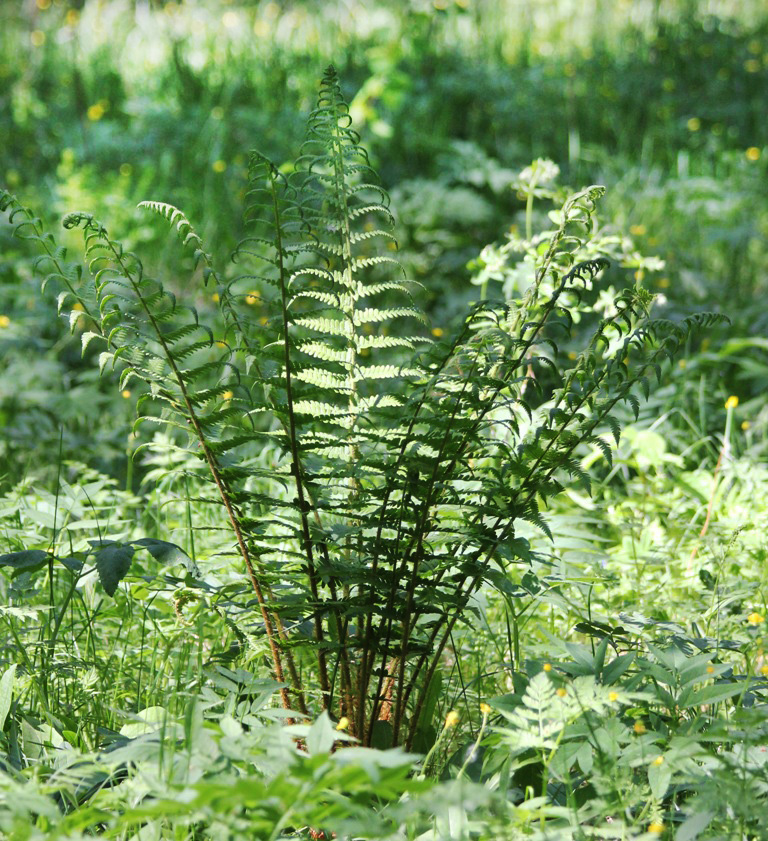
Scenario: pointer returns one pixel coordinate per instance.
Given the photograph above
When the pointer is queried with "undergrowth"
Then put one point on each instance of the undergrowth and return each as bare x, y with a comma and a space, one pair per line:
370, 486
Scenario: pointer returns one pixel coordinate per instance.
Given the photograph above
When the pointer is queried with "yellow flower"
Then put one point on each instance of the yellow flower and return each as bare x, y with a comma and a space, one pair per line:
663, 283
613, 696
72, 17
572, 354
755, 618
437, 332
659, 760
252, 298
343, 723
710, 670
485, 709
126, 393
656, 827
561, 693
547, 667
764, 670
95, 112
43, 5
263, 321
5, 321
215, 298
637, 230
639, 727
228, 395
219, 166
37, 38
732, 402
452, 719
745, 425
753, 153
694, 124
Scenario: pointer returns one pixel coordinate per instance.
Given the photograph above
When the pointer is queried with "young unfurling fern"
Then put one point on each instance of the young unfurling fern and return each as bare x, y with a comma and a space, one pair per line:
408, 465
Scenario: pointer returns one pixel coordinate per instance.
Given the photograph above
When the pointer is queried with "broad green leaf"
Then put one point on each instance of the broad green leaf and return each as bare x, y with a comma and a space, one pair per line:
383, 736
659, 777
6, 693
616, 668
713, 694
321, 735
27, 560
113, 562
168, 553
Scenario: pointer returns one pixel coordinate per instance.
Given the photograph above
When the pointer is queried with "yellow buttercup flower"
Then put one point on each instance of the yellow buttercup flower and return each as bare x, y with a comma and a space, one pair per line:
753, 153
710, 670
125, 393
343, 723
437, 332
659, 760
656, 827
745, 425
732, 402
252, 298
219, 166
613, 696
5, 321
215, 297
639, 728
561, 693
755, 618
547, 667
485, 709
228, 395
96, 112
452, 719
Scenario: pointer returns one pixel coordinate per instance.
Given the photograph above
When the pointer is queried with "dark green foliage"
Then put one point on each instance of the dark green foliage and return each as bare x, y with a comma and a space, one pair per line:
408, 465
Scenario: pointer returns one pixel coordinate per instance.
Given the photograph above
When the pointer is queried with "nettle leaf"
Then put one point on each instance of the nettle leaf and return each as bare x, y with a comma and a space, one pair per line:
28, 560
112, 563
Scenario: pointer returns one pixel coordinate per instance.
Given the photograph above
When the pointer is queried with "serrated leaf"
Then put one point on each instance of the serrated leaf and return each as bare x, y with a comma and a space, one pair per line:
112, 563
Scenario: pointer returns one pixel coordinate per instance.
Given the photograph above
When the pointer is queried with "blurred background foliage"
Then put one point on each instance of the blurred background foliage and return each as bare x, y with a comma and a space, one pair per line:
103, 104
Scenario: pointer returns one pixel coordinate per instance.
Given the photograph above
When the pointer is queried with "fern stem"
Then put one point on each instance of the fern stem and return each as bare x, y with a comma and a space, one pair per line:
218, 478
296, 468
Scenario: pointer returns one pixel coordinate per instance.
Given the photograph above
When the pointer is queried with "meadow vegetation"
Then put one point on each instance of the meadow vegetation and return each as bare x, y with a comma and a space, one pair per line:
383, 444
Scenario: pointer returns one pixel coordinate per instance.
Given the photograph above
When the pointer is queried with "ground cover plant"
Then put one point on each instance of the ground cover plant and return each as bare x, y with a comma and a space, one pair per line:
478, 556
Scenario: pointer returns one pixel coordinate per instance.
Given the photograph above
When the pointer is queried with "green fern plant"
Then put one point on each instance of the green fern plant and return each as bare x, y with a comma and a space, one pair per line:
407, 464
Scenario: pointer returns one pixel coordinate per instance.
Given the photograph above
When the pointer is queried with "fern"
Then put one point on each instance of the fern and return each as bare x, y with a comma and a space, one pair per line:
408, 465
